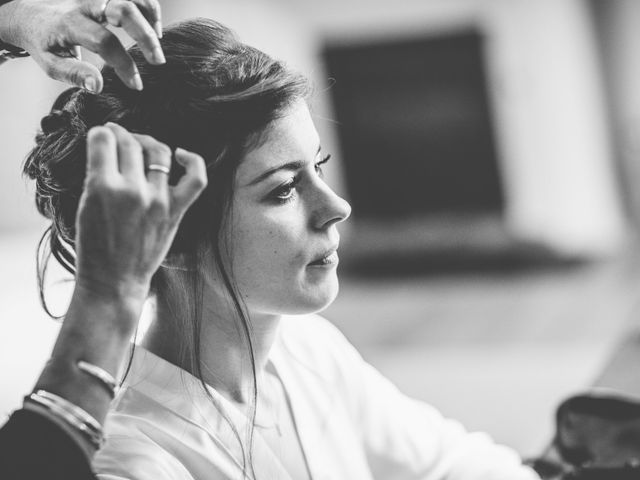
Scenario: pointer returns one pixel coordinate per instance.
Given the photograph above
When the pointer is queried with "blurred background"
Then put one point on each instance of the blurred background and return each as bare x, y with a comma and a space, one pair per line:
490, 150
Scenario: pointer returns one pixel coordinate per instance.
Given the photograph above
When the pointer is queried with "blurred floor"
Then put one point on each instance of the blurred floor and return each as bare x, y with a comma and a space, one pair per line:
495, 351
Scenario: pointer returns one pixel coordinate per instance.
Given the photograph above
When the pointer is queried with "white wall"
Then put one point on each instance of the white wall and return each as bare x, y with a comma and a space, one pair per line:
550, 109
617, 21
26, 333
26, 95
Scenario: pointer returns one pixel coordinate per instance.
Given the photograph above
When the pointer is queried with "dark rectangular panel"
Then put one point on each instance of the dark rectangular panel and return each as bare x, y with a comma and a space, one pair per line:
415, 127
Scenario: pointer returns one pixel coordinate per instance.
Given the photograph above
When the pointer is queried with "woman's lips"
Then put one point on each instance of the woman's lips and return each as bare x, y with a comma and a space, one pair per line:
326, 261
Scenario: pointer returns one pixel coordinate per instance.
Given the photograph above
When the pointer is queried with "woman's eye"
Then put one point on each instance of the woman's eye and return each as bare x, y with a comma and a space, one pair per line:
318, 165
285, 192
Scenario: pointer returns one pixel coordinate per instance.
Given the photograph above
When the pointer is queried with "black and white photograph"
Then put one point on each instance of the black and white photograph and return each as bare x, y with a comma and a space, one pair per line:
338, 240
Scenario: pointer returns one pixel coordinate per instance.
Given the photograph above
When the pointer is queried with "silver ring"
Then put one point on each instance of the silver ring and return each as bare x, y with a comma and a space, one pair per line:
102, 17
158, 168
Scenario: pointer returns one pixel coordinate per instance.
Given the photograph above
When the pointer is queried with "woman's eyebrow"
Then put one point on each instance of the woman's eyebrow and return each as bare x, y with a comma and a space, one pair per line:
290, 166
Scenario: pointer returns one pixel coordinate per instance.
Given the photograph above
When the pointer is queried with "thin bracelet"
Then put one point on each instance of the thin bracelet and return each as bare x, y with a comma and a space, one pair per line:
100, 374
72, 414
70, 407
95, 438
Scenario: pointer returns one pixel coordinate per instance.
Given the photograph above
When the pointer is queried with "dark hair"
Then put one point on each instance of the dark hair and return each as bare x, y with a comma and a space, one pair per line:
215, 96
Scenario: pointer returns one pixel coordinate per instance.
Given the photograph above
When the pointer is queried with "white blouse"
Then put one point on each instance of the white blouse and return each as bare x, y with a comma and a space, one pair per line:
353, 423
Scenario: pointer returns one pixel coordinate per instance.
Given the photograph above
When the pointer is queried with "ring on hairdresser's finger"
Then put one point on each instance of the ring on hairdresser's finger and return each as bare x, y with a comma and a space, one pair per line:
158, 168
102, 16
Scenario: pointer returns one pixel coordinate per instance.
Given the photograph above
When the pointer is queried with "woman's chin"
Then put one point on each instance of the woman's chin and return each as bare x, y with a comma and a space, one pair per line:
314, 299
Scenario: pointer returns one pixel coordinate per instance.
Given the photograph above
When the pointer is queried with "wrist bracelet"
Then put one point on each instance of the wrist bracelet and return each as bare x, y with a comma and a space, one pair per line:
71, 414
8, 51
100, 374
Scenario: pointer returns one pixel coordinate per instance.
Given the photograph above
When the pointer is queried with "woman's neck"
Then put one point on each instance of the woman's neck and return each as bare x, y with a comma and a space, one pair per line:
225, 361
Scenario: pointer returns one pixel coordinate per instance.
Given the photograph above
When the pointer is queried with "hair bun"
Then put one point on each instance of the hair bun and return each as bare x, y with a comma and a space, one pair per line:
56, 120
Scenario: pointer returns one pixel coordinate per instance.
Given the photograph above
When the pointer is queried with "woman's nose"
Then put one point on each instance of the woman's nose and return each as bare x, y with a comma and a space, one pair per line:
330, 208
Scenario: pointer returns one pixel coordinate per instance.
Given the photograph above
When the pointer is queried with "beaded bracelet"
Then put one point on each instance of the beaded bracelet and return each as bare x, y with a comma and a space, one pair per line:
71, 414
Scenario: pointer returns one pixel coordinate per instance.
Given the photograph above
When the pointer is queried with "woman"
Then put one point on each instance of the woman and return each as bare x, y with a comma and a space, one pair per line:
236, 375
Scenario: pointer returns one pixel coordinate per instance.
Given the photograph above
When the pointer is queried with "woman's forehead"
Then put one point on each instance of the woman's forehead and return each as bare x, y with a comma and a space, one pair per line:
291, 138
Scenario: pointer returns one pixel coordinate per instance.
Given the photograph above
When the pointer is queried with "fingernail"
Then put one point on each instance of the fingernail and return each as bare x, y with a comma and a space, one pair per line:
158, 55
136, 81
158, 28
90, 84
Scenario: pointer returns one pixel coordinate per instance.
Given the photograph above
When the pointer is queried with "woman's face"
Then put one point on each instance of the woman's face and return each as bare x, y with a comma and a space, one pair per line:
282, 230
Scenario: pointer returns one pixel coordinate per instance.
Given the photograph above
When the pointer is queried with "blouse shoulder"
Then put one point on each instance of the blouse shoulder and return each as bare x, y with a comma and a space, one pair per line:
308, 329
133, 458
314, 337
139, 439
316, 346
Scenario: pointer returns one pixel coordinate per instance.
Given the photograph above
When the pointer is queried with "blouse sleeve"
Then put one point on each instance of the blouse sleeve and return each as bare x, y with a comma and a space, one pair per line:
406, 439
32, 447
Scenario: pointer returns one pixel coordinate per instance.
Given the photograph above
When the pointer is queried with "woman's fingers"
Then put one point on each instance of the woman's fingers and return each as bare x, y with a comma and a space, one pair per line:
192, 183
127, 14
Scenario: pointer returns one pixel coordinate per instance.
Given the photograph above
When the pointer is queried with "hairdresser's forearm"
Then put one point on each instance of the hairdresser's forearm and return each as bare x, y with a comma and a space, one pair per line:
96, 329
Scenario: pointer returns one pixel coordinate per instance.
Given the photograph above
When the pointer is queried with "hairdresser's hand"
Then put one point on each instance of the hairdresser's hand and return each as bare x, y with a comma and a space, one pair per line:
125, 224
53, 30
127, 218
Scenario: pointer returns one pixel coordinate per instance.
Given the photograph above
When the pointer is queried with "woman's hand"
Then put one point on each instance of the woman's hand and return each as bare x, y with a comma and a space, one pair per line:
127, 218
52, 30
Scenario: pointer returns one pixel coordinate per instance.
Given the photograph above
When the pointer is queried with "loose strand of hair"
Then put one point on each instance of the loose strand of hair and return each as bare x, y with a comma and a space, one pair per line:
43, 255
62, 253
246, 329
194, 359
44, 251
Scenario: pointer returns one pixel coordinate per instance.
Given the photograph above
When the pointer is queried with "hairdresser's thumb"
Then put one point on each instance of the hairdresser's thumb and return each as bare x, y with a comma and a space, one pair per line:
73, 71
